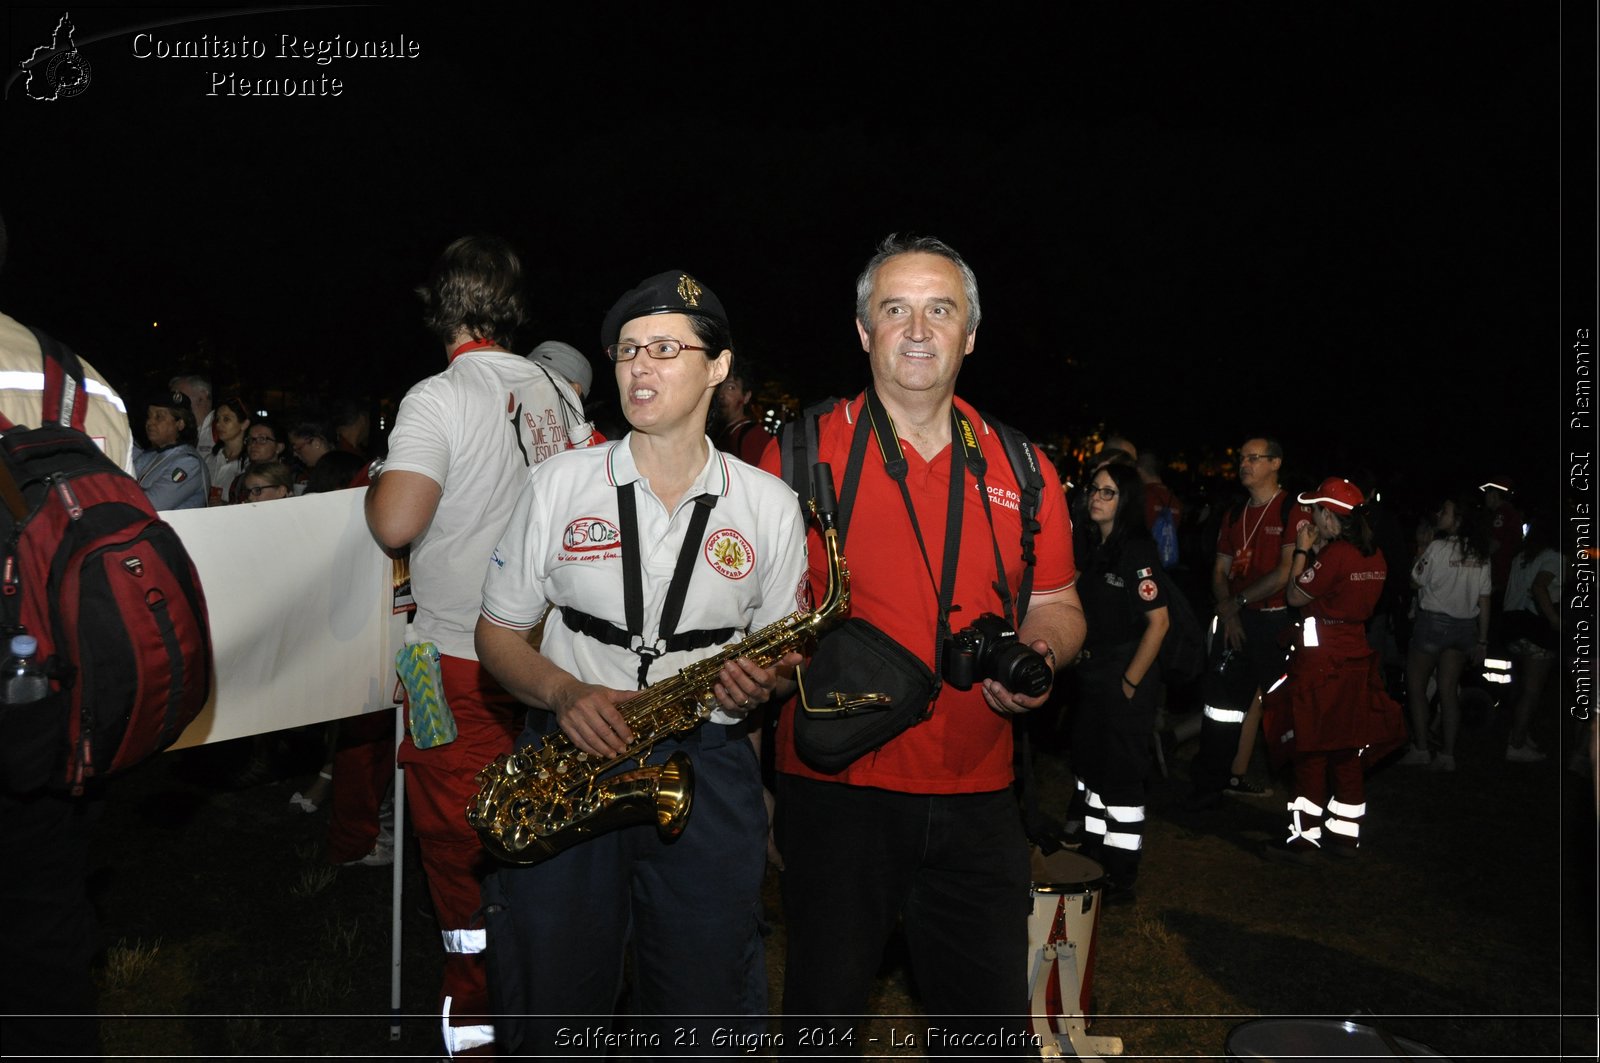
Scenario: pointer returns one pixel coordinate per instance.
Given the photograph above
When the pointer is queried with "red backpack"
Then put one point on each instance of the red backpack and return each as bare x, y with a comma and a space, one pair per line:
108, 590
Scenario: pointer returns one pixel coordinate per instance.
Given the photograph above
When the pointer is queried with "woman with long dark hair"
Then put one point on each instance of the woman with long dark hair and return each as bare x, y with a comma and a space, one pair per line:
1333, 699
227, 458
1452, 578
1118, 683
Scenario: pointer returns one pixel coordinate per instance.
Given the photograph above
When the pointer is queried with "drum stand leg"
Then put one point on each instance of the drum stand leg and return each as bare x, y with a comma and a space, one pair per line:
1060, 963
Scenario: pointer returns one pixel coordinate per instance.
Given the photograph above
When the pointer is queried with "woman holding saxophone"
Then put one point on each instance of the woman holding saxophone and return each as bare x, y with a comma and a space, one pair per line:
655, 551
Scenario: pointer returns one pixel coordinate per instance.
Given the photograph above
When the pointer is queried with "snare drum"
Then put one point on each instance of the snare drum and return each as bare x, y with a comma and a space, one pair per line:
1298, 1040
1064, 922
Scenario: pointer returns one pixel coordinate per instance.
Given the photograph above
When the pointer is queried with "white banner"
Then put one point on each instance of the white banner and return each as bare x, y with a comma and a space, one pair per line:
301, 604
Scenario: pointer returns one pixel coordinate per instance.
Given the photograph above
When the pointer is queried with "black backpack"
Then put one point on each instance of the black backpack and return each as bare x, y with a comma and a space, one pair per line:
108, 590
1183, 652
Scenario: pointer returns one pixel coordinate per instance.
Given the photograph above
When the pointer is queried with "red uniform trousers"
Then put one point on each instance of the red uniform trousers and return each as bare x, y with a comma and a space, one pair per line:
363, 767
440, 787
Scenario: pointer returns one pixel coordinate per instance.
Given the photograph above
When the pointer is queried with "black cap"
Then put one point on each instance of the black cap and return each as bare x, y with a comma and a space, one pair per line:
672, 292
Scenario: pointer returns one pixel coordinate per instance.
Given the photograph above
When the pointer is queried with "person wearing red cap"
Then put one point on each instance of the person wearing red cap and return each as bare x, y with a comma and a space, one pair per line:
1332, 702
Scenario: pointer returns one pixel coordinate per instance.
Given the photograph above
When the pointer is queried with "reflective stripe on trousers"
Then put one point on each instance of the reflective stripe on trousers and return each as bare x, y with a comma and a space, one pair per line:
462, 1038
1309, 828
1345, 820
1224, 715
467, 941
1101, 818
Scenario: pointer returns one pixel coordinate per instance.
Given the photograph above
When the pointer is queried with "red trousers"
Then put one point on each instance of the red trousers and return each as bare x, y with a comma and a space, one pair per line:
440, 786
363, 767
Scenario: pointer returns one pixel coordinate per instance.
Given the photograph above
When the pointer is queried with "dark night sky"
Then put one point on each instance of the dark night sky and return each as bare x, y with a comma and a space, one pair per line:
1339, 222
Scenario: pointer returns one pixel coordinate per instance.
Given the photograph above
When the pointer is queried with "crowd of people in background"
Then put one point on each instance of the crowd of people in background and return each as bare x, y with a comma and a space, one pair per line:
1337, 635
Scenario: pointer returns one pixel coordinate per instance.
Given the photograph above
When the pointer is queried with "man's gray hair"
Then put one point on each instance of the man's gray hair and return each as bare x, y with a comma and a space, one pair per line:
895, 244
199, 383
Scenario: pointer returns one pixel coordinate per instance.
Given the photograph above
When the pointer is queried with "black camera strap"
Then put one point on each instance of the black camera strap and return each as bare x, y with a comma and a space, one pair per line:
980, 466
894, 463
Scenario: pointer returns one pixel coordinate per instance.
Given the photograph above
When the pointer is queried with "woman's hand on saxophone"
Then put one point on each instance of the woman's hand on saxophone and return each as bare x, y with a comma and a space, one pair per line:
588, 715
742, 684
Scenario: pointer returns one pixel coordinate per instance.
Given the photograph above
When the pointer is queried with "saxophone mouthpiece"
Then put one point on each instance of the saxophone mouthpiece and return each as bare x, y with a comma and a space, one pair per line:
824, 501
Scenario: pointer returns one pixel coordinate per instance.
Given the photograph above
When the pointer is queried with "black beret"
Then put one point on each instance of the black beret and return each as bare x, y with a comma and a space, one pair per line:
672, 292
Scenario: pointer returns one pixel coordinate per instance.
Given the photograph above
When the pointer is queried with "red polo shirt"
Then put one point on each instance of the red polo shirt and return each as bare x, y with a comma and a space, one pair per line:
965, 747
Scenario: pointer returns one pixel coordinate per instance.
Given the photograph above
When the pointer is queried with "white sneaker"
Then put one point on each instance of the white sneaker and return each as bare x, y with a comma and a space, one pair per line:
381, 856
1525, 754
1443, 762
1416, 758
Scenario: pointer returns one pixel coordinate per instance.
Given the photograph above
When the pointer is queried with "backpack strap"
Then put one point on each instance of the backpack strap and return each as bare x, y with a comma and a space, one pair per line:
59, 402
1025, 467
797, 447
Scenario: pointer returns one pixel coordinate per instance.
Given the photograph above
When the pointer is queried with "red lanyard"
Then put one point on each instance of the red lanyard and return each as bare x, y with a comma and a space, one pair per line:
472, 345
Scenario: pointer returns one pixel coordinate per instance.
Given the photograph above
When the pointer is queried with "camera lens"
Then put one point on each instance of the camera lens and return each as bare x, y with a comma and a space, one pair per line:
1022, 671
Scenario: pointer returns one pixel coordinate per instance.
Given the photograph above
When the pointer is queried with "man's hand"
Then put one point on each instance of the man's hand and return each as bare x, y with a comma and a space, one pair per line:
1232, 630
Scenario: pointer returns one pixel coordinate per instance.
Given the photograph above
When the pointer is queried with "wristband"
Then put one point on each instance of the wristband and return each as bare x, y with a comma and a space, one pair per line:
1128, 681
1300, 553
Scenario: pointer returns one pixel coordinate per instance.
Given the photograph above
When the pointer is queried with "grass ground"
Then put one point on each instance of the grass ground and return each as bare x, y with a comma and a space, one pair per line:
1467, 924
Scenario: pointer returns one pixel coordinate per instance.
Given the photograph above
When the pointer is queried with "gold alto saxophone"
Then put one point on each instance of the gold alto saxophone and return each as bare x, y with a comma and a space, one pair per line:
535, 803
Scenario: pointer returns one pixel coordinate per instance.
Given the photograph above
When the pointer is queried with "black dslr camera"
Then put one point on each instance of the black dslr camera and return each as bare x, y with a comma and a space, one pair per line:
988, 649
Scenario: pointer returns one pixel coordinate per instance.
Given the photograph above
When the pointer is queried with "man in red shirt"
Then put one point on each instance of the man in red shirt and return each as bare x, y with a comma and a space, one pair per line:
926, 829
733, 408
1255, 547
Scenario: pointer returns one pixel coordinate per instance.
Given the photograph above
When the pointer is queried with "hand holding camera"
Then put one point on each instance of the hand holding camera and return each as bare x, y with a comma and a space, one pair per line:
988, 648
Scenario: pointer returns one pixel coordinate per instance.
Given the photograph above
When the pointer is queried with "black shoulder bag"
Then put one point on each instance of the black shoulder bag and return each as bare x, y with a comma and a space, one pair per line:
861, 688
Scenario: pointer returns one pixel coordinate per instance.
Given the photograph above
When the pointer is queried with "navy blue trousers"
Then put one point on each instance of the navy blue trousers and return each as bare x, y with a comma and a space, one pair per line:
687, 911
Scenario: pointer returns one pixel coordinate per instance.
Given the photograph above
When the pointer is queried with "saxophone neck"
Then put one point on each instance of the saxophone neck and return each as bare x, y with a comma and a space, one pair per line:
836, 598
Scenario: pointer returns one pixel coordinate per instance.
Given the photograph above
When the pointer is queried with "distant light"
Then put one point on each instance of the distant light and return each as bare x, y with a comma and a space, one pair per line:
155, 324
261, 413
1493, 678
1524, 531
1377, 496
383, 422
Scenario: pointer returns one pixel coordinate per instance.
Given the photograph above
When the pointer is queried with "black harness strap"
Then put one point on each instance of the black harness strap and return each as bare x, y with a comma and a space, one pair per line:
668, 639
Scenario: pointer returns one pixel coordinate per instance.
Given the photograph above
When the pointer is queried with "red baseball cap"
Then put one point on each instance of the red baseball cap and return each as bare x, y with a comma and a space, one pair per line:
1335, 494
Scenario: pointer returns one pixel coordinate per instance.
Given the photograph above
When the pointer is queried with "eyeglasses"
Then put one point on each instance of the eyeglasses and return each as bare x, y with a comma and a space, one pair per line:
1106, 493
260, 439
627, 352
254, 491
1253, 458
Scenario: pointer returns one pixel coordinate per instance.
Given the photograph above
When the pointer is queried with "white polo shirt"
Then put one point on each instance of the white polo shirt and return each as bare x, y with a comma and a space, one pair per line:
22, 382
475, 430
563, 545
